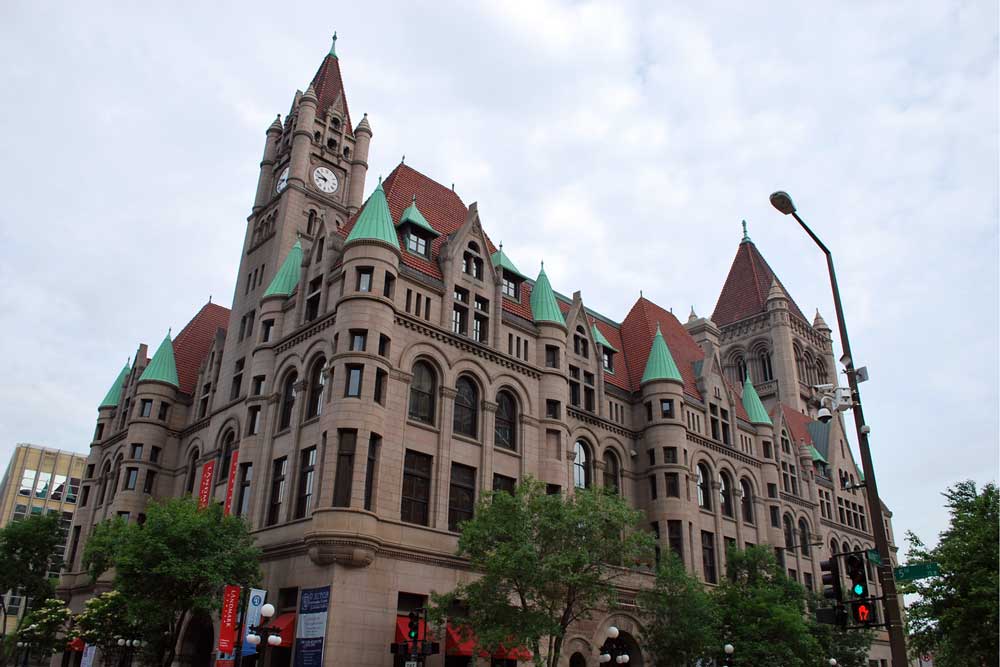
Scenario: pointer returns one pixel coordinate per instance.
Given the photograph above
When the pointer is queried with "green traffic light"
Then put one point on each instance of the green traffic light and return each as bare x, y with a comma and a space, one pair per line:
858, 589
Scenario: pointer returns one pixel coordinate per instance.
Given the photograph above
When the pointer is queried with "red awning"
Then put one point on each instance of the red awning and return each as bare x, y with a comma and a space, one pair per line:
455, 645
403, 629
285, 623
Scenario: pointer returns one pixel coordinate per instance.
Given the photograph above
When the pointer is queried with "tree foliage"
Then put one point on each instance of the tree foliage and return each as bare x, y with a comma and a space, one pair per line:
173, 566
956, 615
545, 562
46, 627
104, 618
26, 549
681, 624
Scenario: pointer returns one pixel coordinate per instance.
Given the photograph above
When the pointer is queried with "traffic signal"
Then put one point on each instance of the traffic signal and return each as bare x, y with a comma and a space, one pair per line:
831, 579
414, 626
863, 612
855, 566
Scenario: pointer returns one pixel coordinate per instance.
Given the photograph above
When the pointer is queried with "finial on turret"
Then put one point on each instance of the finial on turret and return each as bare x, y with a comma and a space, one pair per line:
333, 46
168, 331
402, 160
210, 298
414, 198
746, 237
692, 317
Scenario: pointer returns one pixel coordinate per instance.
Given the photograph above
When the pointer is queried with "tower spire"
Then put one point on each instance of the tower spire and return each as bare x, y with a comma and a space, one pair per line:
746, 237
333, 46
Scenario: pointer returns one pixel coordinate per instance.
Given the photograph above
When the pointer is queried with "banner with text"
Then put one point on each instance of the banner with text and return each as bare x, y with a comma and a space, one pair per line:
88, 656
314, 604
205, 490
252, 617
230, 487
227, 618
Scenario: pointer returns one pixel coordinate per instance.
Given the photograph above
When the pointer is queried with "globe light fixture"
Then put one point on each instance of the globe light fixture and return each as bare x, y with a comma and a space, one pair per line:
267, 611
274, 640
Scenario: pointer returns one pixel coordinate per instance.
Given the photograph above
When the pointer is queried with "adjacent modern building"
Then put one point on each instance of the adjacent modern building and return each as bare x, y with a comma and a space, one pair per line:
384, 363
39, 481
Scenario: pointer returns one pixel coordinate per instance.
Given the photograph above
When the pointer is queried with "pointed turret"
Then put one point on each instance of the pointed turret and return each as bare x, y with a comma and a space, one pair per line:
375, 221
753, 406
819, 324
544, 307
162, 367
276, 125
364, 125
114, 394
328, 86
660, 365
287, 278
413, 216
310, 95
692, 316
333, 45
776, 292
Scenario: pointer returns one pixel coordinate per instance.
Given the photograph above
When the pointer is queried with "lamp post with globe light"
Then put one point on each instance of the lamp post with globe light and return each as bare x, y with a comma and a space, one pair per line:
728, 649
833, 662
614, 649
264, 635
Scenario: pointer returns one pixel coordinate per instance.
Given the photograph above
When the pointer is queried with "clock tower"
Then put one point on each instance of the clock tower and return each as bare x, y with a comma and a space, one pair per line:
312, 179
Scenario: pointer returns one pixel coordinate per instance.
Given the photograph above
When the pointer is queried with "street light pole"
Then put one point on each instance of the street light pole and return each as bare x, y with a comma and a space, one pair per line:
894, 620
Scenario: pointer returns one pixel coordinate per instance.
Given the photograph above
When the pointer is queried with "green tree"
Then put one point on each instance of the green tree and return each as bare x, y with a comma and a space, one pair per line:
763, 613
679, 615
956, 615
45, 628
173, 566
849, 647
104, 618
546, 561
26, 549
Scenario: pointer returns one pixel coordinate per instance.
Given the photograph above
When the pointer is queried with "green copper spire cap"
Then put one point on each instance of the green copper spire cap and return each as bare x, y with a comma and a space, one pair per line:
162, 367
287, 278
753, 406
333, 46
502, 261
816, 456
543, 301
600, 339
413, 216
115, 393
746, 237
375, 221
660, 365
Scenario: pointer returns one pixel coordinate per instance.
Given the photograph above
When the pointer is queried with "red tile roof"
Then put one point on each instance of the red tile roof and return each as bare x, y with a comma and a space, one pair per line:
195, 340
796, 423
329, 85
620, 377
744, 293
637, 332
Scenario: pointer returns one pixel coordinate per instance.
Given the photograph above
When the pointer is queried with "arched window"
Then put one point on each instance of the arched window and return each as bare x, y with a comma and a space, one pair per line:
746, 501
789, 533
804, 537
192, 469
422, 390
287, 400
105, 478
505, 432
228, 448
466, 408
317, 383
726, 494
704, 487
577, 660
821, 376
845, 548
766, 373
833, 547
581, 465
116, 473
612, 472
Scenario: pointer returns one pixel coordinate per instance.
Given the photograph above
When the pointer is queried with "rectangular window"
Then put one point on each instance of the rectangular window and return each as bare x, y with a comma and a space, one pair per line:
667, 408
42, 488
278, 471
427, 309
416, 244
359, 340
27, 482
510, 288
775, 516
343, 482
146, 407
416, 488
73, 490
607, 358
807, 580
383, 345
243, 496
652, 487
354, 377
651, 455
673, 485
389, 287
708, 556
772, 490
149, 483
409, 299
504, 483
131, 478
313, 293
364, 283
553, 409
380, 379
551, 356
675, 537
459, 320
234, 390
136, 451
374, 443
164, 411
307, 478
85, 496
266, 329
670, 455
480, 327
461, 495
206, 392
257, 385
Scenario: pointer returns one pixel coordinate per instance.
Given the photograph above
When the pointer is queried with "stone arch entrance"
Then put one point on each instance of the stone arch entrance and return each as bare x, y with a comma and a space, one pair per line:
195, 648
634, 652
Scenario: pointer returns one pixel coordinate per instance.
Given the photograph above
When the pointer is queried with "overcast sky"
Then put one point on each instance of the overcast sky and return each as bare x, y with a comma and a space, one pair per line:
622, 143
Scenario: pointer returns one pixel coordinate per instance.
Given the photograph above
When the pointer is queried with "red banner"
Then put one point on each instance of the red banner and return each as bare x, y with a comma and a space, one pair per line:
230, 488
227, 618
205, 490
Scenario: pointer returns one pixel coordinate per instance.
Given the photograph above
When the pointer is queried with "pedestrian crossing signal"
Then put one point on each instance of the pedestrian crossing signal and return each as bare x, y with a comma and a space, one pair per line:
863, 612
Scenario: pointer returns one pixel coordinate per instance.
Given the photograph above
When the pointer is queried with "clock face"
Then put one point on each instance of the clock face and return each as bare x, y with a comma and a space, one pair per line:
325, 180
282, 181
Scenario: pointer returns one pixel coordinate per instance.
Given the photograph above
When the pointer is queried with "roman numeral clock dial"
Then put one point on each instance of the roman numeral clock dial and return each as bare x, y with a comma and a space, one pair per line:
325, 180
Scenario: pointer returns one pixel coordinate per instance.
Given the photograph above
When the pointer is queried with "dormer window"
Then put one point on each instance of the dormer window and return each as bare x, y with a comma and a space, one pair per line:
472, 263
580, 343
608, 359
511, 287
416, 244
417, 232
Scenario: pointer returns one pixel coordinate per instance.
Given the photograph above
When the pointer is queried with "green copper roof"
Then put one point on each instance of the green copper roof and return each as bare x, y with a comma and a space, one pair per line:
375, 221
861, 473
115, 393
333, 46
600, 339
287, 277
500, 259
816, 456
543, 302
660, 365
751, 402
413, 216
162, 366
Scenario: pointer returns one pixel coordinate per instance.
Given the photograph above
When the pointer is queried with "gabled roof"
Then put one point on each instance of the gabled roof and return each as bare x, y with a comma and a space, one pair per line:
501, 260
637, 333
329, 87
744, 293
287, 278
413, 216
660, 363
114, 394
374, 223
751, 402
162, 367
600, 339
797, 424
543, 302
193, 343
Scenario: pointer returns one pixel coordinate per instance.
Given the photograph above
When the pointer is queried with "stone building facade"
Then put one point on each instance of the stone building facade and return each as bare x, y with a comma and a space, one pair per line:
384, 363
